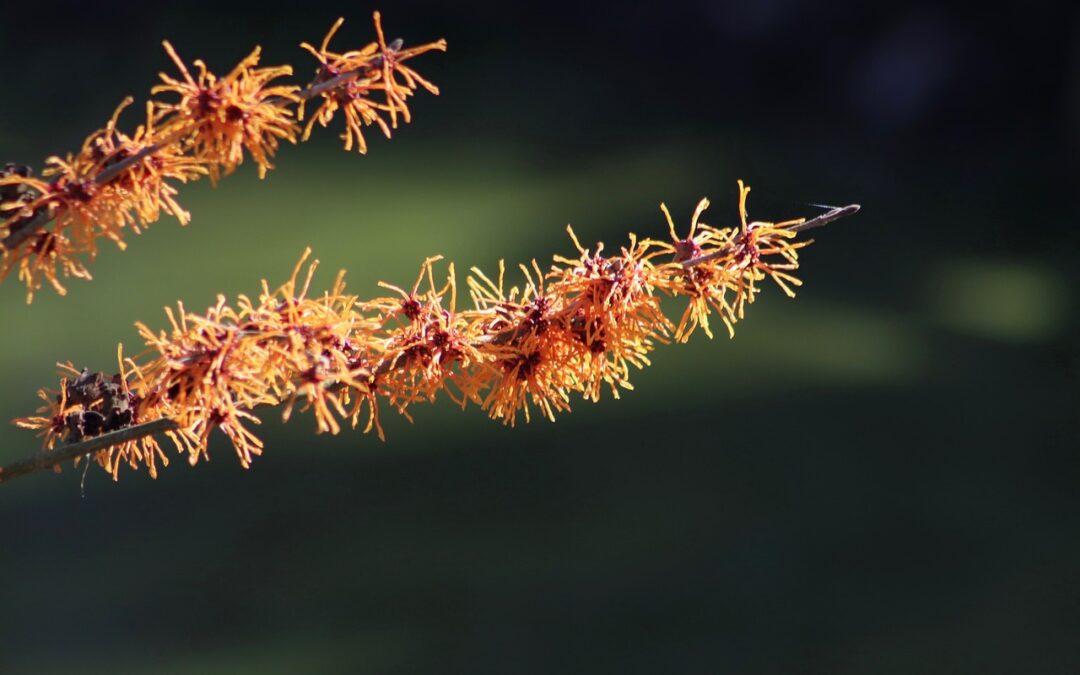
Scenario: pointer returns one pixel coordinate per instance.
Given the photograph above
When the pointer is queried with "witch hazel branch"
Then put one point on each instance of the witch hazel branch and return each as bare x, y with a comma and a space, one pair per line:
572, 330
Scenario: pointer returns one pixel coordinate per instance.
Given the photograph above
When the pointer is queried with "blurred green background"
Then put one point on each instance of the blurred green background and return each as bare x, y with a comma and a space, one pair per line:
878, 477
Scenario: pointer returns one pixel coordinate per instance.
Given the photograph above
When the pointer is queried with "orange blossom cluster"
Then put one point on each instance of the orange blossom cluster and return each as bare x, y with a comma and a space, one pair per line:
577, 328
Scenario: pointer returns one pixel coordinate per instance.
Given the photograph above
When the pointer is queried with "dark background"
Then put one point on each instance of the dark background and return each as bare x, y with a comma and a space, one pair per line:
878, 477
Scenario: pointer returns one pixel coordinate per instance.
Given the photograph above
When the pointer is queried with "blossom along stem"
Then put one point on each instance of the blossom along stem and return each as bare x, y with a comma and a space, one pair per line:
311, 91
45, 214
118, 181
576, 328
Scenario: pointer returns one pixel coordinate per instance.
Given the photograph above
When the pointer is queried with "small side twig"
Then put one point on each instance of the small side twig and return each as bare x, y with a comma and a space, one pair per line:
829, 216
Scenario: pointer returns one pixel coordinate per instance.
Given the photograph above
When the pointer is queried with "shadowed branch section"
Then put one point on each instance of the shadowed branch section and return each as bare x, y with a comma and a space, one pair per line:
576, 328
197, 124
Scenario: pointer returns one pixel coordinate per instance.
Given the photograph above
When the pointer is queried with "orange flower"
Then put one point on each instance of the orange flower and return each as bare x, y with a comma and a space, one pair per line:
143, 183
706, 284
528, 355
352, 96
760, 250
221, 118
46, 256
358, 75
393, 62
612, 310
427, 345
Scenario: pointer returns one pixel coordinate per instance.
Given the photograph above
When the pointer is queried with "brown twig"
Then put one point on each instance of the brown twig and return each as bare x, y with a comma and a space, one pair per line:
51, 458
22, 231
832, 215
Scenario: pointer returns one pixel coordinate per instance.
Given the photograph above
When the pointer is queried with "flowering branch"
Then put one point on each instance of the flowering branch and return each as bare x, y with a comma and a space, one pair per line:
119, 181
576, 328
